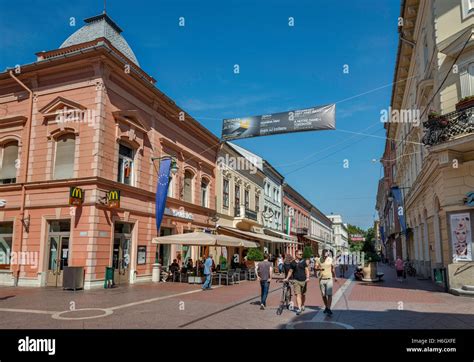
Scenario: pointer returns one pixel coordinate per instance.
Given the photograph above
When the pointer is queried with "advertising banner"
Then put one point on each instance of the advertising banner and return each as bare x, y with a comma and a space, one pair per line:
309, 119
162, 191
461, 237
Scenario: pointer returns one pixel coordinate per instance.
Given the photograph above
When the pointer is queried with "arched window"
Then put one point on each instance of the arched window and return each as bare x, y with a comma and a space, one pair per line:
204, 193
8, 157
188, 186
64, 157
125, 173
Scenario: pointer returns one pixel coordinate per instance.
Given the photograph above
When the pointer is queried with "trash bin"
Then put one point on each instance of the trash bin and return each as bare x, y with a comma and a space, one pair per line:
109, 277
73, 277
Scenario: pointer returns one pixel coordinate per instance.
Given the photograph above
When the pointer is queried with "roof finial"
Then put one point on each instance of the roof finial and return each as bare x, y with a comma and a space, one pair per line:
105, 6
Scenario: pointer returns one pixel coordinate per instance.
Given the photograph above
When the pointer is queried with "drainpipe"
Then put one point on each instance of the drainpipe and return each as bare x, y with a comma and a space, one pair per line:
25, 152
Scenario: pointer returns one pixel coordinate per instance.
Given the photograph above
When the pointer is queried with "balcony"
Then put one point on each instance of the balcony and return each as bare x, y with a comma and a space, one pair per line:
246, 216
302, 231
448, 127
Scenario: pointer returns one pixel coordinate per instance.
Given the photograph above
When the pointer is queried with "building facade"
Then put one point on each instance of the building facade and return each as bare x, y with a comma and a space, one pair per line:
78, 130
321, 230
434, 161
297, 213
341, 235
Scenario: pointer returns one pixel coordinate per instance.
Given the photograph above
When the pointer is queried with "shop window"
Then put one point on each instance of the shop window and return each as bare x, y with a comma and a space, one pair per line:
188, 186
225, 193
8, 162
64, 158
125, 165
165, 249
204, 193
6, 238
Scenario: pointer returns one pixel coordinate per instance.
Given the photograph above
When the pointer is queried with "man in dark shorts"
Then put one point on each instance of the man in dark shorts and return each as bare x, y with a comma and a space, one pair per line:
264, 275
299, 270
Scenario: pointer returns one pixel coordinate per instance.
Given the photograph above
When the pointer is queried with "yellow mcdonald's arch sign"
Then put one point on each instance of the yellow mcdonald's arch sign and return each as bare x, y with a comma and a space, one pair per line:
76, 196
113, 198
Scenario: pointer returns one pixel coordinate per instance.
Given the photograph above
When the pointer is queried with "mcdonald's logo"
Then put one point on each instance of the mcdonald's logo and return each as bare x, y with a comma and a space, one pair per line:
76, 196
113, 198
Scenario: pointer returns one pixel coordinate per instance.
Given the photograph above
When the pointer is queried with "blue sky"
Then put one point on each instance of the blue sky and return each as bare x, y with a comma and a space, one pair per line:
281, 68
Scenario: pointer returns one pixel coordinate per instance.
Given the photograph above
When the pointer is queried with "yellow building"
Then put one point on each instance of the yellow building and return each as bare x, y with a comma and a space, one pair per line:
432, 126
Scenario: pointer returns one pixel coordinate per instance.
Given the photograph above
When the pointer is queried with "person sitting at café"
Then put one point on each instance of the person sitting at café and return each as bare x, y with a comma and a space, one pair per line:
189, 265
174, 267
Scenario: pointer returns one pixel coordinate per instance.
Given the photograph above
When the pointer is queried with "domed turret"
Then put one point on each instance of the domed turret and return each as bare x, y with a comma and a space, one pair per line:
101, 26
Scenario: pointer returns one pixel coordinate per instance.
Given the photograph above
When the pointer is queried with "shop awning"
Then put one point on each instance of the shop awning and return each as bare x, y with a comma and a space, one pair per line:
280, 234
203, 239
254, 236
312, 239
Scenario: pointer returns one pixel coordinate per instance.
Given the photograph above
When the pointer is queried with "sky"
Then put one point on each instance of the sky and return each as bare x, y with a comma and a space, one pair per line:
281, 67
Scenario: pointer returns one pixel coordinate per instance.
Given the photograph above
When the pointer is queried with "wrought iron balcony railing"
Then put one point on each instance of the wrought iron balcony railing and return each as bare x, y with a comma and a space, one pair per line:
250, 214
448, 126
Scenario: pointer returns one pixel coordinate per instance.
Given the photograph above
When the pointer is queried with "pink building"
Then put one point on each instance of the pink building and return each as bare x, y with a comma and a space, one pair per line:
86, 118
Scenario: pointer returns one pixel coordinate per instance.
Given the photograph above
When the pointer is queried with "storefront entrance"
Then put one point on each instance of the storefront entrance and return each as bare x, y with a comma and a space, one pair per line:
121, 252
58, 251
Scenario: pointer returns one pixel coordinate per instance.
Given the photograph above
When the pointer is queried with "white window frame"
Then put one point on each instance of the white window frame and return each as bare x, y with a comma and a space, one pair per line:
206, 196
128, 159
56, 140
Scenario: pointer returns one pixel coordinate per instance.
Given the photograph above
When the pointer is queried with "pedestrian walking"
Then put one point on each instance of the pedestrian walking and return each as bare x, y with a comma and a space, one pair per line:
287, 263
280, 263
400, 267
264, 275
299, 270
208, 273
326, 275
311, 264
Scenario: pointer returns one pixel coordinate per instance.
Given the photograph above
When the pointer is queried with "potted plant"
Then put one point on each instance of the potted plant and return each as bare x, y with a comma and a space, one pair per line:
464, 103
254, 255
370, 266
436, 118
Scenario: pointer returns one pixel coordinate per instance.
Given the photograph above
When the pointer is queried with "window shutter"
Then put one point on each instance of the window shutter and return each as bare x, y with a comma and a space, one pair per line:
10, 154
64, 164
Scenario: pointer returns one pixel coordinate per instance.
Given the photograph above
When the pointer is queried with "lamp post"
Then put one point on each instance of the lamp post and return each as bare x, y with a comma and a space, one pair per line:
173, 170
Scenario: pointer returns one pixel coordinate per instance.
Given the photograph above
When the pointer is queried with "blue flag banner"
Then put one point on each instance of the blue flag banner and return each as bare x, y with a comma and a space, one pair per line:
382, 234
162, 191
397, 194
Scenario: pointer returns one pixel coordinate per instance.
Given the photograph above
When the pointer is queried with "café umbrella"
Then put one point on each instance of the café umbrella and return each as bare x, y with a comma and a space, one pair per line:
199, 238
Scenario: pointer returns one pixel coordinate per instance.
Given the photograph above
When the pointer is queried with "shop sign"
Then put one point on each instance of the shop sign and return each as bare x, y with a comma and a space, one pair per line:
113, 198
179, 213
3, 203
76, 196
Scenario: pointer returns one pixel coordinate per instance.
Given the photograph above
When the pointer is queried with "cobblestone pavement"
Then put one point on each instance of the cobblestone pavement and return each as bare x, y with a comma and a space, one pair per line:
389, 304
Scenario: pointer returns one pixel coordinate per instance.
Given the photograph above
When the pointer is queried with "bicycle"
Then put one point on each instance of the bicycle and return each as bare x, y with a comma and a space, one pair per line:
410, 270
285, 297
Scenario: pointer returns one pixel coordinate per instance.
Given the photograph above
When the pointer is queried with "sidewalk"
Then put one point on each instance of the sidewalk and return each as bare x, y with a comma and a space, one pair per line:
411, 304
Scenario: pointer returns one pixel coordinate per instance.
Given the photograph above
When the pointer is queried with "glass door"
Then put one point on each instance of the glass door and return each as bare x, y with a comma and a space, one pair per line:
58, 258
121, 254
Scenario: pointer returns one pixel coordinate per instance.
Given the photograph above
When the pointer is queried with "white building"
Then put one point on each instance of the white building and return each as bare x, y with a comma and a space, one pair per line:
341, 235
321, 230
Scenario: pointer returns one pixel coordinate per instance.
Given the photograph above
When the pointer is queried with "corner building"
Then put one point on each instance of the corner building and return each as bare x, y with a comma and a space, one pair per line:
86, 116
